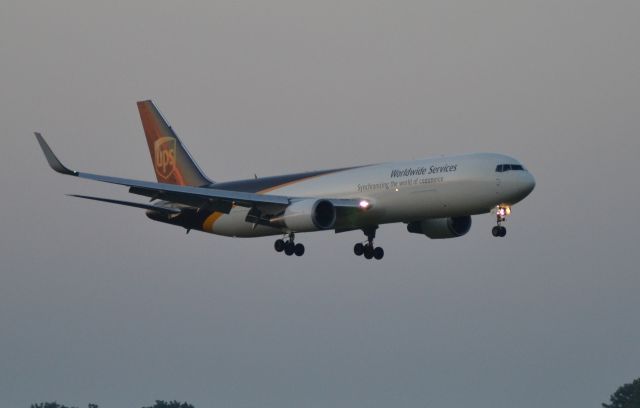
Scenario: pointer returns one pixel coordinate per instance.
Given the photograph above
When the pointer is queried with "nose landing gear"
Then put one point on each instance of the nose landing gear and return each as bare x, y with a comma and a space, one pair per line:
501, 216
289, 247
498, 231
368, 249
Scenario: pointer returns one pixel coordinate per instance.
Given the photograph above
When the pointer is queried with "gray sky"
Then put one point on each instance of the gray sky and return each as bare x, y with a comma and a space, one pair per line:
97, 303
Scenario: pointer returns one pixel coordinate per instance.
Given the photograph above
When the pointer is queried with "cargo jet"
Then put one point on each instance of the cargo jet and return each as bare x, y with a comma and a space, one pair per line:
435, 197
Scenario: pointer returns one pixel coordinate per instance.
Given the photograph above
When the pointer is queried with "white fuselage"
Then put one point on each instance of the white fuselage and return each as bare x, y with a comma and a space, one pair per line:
407, 191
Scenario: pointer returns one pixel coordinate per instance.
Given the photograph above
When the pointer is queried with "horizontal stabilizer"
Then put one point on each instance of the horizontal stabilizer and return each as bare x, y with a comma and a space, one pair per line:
130, 204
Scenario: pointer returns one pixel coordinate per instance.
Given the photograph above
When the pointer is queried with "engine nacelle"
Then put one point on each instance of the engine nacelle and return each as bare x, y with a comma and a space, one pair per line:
438, 228
307, 215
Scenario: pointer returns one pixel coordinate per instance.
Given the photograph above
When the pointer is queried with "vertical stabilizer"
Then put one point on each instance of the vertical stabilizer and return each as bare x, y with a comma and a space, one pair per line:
171, 161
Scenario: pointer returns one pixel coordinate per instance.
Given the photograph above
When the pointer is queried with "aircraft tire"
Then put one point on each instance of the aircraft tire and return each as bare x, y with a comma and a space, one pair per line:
378, 253
358, 249
289, 248
495, 231
279, 245
299, 249
368, 252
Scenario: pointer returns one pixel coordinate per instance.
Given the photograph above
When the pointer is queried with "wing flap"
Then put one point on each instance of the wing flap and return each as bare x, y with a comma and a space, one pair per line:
210, 204
238, 197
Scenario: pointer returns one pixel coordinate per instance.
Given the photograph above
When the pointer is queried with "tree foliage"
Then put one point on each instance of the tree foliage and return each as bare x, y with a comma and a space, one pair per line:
48, 405
158, 404
627, 396
56, 405
170, 404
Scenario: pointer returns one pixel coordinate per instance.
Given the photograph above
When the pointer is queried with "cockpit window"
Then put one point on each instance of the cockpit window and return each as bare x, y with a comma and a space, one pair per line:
506, 167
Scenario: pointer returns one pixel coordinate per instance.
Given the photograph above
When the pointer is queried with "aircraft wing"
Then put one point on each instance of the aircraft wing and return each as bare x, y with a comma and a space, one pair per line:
212, 198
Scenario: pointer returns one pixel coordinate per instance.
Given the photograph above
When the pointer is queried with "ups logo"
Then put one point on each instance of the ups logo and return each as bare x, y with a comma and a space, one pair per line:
165, 156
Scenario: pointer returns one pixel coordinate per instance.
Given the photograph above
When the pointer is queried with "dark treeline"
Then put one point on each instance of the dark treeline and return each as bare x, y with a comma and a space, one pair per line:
158, 404
627, 396
56, 405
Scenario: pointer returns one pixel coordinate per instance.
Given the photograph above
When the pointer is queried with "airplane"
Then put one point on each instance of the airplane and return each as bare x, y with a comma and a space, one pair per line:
435, 197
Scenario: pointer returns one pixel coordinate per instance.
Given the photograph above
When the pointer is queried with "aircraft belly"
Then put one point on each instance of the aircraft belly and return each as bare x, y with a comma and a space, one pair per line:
412, 204
468, 196
234, 225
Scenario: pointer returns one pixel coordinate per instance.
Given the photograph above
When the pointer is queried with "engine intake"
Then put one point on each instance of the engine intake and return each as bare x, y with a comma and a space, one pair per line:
439, 228
307, 215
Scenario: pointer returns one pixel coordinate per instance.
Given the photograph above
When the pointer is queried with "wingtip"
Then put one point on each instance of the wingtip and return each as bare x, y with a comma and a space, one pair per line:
53, 161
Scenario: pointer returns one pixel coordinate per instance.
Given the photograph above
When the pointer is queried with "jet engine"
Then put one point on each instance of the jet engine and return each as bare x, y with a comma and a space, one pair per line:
437, 228
307, 215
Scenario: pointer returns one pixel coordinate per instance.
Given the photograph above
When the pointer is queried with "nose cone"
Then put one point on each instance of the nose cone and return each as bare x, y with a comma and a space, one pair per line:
527, 184
516, 186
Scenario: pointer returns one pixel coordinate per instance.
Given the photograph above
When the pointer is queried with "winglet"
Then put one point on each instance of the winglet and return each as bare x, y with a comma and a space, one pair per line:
51, 157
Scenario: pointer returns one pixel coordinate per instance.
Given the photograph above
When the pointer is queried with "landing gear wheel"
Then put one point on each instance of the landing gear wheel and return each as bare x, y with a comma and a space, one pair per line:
499, 231
368, 251
289, 248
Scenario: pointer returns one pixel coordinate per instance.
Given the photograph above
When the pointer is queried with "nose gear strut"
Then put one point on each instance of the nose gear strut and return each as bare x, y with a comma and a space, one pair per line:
502, 211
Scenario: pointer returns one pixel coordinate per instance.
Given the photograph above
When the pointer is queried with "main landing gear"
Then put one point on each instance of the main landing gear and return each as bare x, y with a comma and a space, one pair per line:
368, 249
501, 216
289, 247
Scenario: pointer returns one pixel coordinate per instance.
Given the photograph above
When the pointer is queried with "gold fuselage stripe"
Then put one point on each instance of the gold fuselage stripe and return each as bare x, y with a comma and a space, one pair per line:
208, 223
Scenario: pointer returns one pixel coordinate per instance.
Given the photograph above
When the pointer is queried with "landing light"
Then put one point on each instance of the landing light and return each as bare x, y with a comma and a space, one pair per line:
364, 204
503, 211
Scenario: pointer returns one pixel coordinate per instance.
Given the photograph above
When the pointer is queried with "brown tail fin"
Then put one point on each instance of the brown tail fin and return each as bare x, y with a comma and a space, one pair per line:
171, 161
